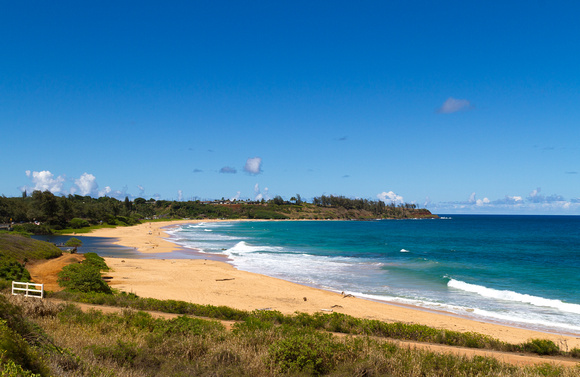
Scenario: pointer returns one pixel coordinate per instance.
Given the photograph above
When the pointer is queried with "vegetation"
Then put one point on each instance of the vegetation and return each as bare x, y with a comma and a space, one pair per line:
15, 251
85, 276
49, 339
73, 242
23, 248
45, 213
327, 322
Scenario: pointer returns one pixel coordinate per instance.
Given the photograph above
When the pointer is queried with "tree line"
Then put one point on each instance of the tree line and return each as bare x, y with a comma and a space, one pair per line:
43, 211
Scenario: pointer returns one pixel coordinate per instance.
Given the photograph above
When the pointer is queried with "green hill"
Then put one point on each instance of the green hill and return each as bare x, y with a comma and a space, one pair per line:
23, 248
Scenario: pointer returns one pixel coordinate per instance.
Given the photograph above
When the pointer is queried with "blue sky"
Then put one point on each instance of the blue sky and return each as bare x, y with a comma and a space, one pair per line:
462, 107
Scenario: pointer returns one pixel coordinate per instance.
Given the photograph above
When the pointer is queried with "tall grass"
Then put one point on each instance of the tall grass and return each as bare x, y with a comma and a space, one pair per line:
333, 322
133, 343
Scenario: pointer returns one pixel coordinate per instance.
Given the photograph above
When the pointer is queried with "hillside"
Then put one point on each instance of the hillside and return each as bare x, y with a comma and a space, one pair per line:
23, 248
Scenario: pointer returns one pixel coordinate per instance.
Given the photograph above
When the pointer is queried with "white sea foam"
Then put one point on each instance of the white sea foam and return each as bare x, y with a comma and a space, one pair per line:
404, 251
520, 318
243, 247
516, 318
514, 296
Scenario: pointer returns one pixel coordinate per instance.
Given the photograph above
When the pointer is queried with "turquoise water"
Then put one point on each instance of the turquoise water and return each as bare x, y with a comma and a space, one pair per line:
517, 270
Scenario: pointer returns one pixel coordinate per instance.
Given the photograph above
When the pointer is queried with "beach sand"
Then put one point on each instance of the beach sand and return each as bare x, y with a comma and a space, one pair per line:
218, 283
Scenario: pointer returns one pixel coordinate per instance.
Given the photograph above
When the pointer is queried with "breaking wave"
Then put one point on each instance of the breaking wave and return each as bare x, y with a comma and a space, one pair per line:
514, 296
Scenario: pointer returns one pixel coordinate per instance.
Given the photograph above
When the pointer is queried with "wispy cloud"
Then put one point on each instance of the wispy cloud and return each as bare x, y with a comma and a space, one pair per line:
228, 170
533, 203
259, 195
453, 105
253, 166
197, 171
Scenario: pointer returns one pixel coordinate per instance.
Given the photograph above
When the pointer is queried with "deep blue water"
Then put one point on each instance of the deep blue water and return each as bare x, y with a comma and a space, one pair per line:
519, 270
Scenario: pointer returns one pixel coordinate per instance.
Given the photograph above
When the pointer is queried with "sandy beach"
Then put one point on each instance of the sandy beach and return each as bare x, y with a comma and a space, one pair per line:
218, 283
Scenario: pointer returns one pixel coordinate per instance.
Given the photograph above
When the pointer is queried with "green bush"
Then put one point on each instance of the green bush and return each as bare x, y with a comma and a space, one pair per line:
32, 228
83, 278
12, 270
92, 259
73, 242
308, 351
541, 347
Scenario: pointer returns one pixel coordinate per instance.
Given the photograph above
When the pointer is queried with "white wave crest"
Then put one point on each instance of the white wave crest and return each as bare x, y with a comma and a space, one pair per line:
242, 247
404, 251
514, 296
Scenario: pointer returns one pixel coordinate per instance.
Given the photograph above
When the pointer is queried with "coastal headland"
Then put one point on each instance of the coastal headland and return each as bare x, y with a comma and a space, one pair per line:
214, 282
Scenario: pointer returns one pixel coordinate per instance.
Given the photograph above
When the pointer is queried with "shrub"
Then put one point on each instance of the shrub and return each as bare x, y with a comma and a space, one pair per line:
309, 351
11, 269
541, 347
83, 278
92, 259
73, 242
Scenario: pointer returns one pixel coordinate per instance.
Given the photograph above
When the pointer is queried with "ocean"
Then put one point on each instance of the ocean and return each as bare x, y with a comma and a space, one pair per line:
520, 271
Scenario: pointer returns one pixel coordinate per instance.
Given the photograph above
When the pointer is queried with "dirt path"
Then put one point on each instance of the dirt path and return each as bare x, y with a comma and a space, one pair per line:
46, 271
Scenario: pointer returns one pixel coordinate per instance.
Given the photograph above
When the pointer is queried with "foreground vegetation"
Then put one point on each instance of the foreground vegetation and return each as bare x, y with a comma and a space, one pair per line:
48, 339
45, 213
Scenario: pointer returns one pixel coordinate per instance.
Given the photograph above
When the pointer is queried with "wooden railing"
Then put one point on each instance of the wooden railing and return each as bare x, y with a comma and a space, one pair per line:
28, 289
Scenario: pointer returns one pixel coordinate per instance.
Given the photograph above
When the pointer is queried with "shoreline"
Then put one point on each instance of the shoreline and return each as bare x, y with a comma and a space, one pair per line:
210, 280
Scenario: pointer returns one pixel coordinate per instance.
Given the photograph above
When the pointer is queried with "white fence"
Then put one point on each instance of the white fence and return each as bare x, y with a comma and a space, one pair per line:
28, 289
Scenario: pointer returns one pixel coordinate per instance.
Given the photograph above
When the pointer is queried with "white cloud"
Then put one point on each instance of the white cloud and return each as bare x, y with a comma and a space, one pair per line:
106, 191
45, 181
453, 105
179, 195
482, 202
253, 165
86, 184
236, 197
390, 197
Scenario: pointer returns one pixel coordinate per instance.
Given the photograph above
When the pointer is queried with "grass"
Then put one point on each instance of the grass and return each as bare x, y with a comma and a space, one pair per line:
24, 248
133, 343
327, 322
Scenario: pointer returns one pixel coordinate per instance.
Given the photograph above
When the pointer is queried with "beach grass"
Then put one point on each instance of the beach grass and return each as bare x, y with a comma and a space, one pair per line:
327, 322
71, 342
